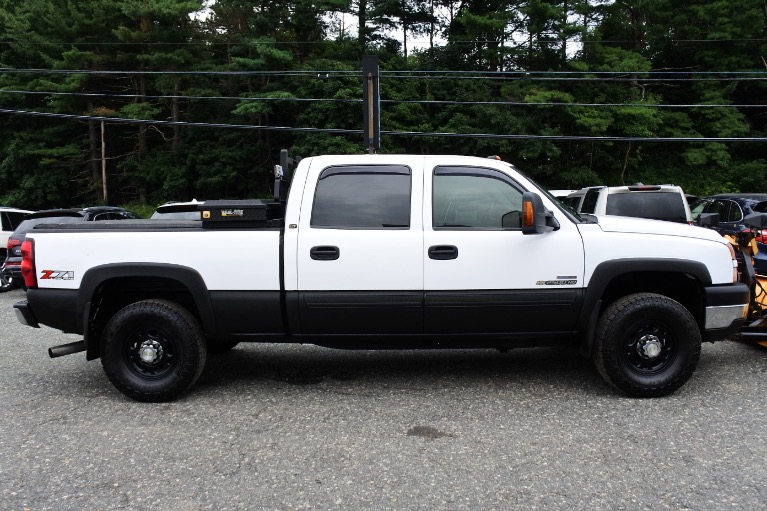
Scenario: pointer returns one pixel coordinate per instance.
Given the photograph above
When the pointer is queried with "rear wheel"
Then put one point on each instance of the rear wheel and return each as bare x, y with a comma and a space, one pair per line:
153, 350
647, 345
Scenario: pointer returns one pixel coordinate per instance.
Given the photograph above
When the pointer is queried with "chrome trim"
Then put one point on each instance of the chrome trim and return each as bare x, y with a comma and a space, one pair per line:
722, 316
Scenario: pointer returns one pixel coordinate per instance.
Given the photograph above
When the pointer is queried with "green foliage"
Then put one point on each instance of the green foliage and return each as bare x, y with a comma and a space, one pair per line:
139, 111
142, 210
47, 162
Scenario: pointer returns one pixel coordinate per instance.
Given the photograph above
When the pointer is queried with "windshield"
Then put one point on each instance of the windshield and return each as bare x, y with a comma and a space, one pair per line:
564, 206
567, 210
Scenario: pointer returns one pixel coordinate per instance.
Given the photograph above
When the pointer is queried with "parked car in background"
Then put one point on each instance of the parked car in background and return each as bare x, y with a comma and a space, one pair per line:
732, 209
561, 194
178, 211
10, 218
657, 202
575, 198
12, 267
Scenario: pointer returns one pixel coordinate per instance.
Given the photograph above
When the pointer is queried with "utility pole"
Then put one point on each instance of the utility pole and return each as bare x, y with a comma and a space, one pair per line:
371, 103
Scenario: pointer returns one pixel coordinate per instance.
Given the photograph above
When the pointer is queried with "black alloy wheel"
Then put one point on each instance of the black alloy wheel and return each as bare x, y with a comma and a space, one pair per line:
647, 345
153, 350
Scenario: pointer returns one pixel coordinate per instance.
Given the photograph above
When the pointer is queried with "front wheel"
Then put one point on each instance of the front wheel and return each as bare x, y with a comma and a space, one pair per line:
647, 345
153, 350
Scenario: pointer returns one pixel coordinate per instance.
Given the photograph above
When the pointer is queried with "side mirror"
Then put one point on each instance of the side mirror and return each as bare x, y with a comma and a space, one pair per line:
708, 220
511, 220
535, 218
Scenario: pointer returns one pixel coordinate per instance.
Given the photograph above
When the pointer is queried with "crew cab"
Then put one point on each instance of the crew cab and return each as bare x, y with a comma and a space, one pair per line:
385, 252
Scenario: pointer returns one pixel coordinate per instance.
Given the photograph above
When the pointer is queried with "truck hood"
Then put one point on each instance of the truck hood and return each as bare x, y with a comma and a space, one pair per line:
611, 223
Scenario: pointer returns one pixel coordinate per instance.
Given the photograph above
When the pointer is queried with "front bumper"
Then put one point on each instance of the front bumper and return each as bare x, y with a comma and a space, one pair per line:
726, 310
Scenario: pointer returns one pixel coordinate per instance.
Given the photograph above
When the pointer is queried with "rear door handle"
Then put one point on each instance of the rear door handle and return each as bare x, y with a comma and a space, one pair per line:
443, 252
324, 253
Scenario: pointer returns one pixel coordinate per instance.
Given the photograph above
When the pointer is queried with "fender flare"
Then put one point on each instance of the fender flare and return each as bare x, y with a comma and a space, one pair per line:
188, 277
607, 271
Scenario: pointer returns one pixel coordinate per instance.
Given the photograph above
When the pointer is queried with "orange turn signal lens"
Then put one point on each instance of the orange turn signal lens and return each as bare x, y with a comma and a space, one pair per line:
527, 214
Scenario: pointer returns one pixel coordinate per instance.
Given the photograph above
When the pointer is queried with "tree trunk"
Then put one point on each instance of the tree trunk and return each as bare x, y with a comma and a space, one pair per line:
404, 40
625, 164
361, 19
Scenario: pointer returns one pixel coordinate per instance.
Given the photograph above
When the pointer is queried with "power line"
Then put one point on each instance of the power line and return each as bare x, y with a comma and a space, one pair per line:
412, 41
643, 75
123, 120
335, 131
146, 96
763, 74
638, 76
387, 101
105, 72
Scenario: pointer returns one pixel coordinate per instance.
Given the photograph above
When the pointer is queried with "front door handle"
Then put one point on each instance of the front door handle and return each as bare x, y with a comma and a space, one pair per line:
443, 252
324, 253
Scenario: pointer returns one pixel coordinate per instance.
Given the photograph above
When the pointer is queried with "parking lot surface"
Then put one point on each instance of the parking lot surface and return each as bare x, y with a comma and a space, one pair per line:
302, 427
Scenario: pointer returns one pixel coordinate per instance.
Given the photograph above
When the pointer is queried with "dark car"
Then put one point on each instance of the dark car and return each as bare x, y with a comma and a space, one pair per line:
12, 266
732, 209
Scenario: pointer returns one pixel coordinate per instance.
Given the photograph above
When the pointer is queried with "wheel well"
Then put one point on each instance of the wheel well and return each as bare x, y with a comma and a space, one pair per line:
681, 287
114, 294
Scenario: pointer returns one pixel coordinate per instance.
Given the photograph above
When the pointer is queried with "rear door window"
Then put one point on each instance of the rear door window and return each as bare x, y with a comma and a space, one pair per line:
363, 197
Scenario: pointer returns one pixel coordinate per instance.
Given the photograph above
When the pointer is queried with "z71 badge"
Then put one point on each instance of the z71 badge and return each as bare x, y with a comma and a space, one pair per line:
57, 275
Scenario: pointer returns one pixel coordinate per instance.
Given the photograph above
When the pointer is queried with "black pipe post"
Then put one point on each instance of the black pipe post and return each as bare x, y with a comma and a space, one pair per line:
371, 103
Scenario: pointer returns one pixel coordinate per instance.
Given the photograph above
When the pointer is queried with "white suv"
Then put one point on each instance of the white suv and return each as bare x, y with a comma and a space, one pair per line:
10, 218
178, 211
658, 202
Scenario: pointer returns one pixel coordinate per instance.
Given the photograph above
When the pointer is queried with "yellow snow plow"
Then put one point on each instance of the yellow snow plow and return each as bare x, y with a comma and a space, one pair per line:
744, 243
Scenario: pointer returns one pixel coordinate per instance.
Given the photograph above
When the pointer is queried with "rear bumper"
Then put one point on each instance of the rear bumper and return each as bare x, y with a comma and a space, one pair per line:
726, 311
24, 314
56, 308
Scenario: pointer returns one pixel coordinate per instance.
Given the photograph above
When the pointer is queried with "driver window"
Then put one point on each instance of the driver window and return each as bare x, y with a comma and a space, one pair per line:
482, 199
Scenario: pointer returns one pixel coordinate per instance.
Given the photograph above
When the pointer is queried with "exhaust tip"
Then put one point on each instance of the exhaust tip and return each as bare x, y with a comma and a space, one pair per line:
66, 349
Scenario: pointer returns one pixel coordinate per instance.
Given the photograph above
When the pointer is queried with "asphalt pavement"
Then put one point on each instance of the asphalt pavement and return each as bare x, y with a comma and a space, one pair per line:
301, 427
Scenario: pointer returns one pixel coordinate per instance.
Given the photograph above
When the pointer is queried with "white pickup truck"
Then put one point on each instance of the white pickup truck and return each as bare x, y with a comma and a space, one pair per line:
385, 252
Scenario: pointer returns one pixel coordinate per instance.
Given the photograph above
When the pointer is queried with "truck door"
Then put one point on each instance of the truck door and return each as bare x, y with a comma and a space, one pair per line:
481, 274
359, 263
